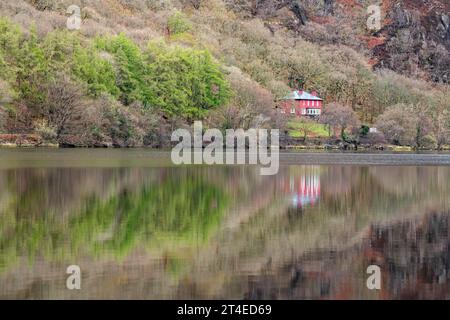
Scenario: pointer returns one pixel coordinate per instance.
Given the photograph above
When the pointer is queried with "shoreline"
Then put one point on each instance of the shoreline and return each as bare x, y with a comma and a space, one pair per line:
29, 141
331, 148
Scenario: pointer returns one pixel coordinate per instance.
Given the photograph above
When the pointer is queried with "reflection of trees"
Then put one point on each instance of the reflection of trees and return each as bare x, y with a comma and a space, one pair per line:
320, 235
178, 206
411, 181
382, 191
414, 257
339, 179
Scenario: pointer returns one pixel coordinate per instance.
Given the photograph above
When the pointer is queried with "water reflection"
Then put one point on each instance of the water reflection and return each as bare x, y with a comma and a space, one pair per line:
303, 186
225, 232
65, 213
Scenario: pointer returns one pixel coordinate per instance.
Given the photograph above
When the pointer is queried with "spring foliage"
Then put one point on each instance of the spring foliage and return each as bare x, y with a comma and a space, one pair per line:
177, 81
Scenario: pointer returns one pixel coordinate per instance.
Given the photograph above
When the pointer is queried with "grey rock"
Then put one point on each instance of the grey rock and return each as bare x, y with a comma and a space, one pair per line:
445, 20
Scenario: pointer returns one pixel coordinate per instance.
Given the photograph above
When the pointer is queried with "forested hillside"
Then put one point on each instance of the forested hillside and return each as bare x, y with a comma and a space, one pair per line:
137, 69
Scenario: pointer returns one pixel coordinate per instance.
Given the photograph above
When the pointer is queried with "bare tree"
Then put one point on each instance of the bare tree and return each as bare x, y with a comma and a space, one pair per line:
196, 4
442, 128
399, 124
339, 117
64, 104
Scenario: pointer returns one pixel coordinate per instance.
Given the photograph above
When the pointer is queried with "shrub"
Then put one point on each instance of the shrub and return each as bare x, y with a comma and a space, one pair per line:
373, 138
47, 132
428, 142
177, 23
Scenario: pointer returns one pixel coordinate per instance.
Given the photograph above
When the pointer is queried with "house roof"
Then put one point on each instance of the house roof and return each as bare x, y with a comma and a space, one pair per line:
301, 95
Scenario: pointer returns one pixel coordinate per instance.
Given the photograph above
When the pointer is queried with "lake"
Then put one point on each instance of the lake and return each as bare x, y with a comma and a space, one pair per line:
141, 228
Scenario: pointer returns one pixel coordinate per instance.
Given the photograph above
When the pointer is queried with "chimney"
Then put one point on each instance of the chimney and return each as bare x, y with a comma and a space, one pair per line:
314, 93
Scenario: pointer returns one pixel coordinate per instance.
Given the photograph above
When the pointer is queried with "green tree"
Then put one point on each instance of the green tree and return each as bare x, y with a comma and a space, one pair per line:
185, 82
32, 72
131, 71
97, 72
10, 38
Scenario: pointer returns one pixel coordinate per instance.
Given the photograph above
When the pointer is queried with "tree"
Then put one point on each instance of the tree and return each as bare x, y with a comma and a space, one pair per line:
399, 124
441, 119
184, 82
339, 117
32, 72
5, 98
96, 72
194, 3
130, 69
442, 128
64, 102
10, 38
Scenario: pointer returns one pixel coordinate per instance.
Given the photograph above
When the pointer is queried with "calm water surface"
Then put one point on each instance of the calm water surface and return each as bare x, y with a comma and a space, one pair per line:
141, 228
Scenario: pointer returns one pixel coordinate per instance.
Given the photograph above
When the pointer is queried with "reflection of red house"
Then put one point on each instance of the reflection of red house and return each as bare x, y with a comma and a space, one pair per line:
303, 189
301, 103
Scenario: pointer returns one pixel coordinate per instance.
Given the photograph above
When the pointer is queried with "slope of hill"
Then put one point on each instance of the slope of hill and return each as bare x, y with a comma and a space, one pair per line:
260, 47
414, 39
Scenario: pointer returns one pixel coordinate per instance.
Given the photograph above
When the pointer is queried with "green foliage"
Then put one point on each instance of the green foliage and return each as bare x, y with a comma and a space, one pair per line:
364, 130
22, 62
96, 72
185, 82
179, 81
32, 71
131, 71
171, 80
177, 23
65, 53
182, 208
10, 38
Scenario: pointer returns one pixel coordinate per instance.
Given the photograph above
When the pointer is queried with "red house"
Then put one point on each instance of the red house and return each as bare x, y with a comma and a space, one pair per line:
302, 104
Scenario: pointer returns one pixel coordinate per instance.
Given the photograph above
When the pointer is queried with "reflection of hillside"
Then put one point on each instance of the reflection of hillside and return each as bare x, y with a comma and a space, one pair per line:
339, 180
179, 206
411, 181
382, 191
211, 232
60, 191
414, 257
170, 214
279, 236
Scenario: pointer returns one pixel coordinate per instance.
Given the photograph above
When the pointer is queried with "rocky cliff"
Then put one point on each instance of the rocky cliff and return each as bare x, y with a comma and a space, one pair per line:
414, 39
